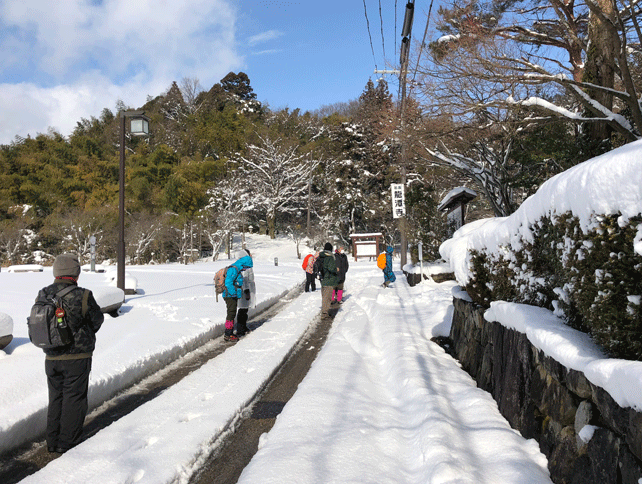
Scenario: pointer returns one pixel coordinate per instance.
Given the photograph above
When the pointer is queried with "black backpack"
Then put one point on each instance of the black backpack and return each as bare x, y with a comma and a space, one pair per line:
46, 329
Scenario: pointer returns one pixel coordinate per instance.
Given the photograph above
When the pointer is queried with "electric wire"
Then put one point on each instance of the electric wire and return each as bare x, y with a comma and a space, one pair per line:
396, 53
365, 10
421, 47
383, 43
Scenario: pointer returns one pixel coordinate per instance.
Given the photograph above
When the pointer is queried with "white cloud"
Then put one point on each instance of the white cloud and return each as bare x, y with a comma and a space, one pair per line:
265, 52
264, 37
70, 59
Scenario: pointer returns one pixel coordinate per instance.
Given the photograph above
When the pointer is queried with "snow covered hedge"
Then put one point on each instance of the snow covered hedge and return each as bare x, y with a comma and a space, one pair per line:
574, 247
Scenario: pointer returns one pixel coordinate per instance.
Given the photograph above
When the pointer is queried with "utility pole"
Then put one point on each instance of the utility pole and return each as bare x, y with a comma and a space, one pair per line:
309, 202
406, 33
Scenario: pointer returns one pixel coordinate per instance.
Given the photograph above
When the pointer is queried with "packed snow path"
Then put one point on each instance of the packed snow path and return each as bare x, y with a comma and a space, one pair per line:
384, 404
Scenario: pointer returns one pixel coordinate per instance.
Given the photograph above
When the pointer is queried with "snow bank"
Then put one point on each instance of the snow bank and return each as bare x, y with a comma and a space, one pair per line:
6, 324
605, 185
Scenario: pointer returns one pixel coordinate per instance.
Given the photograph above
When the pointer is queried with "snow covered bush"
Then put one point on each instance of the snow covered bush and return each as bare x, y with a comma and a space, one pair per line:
593, 279
574, 247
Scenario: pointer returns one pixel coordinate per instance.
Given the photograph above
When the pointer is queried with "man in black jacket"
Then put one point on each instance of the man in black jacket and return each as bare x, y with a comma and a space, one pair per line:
68, 367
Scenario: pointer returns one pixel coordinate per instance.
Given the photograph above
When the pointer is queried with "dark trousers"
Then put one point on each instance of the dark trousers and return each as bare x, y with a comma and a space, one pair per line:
231, 304
68, 382
310, 282
241, 321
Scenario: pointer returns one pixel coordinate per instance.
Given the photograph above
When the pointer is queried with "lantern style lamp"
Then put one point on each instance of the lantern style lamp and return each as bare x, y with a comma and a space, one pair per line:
139, 126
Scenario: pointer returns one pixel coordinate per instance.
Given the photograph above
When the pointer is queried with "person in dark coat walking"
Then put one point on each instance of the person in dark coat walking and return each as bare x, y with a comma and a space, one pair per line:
68, 367
342, 264
326, 266
233, 292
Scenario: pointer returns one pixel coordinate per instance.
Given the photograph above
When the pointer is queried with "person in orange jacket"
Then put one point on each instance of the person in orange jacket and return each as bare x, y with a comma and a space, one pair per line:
310, 276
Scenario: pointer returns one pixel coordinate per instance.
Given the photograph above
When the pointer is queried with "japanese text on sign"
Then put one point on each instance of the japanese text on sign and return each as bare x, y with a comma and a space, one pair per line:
398, 200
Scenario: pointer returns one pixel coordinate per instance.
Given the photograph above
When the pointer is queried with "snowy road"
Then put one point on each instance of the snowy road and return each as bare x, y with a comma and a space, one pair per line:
382, 403
164, 439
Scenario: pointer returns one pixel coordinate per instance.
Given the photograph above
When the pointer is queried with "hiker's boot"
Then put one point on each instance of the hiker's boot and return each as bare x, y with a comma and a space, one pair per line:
229, 331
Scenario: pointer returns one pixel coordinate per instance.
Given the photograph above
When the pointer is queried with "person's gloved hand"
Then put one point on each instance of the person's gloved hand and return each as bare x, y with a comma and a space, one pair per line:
247, 294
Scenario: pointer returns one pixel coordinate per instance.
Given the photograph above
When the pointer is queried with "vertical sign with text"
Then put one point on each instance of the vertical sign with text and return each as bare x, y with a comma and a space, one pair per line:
398, 200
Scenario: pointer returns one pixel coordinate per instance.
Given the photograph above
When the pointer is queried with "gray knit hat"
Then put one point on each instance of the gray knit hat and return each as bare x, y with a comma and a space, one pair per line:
66, 265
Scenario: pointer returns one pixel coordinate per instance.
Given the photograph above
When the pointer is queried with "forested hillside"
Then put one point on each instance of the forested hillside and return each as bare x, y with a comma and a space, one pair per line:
215, 161
507, 98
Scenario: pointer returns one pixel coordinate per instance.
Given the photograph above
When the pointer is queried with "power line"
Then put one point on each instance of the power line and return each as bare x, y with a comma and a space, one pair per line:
383, 43
395, 28
365, 10
423, 43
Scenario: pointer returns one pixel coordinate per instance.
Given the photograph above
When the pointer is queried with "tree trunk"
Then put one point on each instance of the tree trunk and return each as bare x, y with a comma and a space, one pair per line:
600, 69
271, 222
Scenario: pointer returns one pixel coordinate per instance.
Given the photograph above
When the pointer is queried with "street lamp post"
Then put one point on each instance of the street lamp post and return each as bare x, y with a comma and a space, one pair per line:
139, 126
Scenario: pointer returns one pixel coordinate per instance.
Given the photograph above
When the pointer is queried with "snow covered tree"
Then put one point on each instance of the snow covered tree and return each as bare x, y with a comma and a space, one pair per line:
239, 85
277, 177
12, 239
233, 90
553, 58
487, 167
227, 210
174, 110
364, 151
142, 236
76, 227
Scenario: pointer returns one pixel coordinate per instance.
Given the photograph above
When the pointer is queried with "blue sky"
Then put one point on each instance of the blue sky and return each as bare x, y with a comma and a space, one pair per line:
65, 60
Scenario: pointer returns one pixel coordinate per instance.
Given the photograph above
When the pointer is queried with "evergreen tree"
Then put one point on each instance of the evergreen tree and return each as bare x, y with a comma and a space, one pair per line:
239, 85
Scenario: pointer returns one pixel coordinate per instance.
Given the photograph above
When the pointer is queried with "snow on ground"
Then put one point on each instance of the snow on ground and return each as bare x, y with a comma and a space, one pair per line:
162, 440
174, 310
382, 403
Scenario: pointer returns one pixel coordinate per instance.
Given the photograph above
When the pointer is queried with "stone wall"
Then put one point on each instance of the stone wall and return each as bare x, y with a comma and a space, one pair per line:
549, 402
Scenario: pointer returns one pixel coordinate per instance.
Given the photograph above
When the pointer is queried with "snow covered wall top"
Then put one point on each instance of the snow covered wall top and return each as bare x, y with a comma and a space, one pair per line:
605, 185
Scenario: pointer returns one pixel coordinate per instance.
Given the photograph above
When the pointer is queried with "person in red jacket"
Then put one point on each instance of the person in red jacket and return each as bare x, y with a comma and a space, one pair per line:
310, 276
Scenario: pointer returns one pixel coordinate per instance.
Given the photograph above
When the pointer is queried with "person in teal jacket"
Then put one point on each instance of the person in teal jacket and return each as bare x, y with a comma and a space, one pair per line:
233, 292
388, 275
